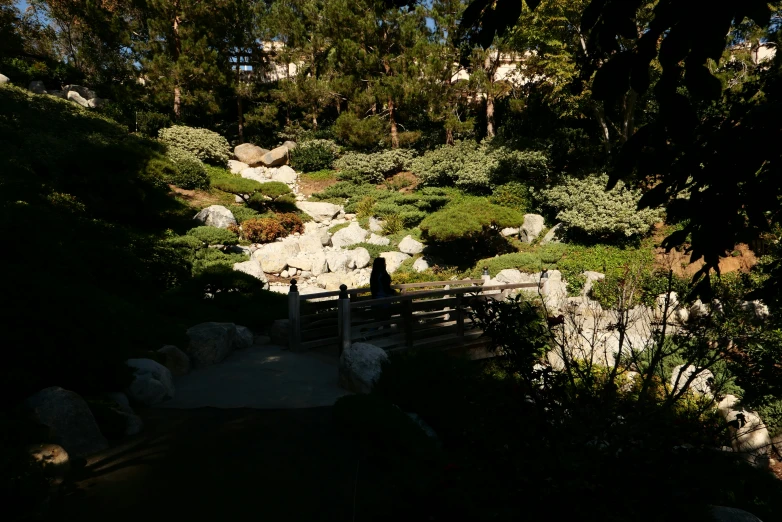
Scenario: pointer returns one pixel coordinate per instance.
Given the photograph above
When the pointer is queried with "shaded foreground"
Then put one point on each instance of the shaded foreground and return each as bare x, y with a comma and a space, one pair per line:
212, 464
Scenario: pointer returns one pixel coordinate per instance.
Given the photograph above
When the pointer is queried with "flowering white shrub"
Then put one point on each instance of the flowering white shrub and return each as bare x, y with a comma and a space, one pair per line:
206, 145
585, 205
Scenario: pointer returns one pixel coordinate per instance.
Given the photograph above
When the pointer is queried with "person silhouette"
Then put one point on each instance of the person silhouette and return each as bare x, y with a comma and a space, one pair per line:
380, 286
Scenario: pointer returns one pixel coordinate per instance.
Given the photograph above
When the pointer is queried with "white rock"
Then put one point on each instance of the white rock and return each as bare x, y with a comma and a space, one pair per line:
375, 225
274, 256
410, 246
727, 404
554, 235
361, 257
331, 281
84, 92
507, 232
700, 384
699, 309
216, 216
360, 366
319, 263
338, 261
290, 145
394, 260
4, 79
285, 174
284, 274
374, 239
259, 174
420, 265
554, 290
320, 211
152, 382
133, 423
94, 103
591, 277
303, 263
511, 276
69, 419
236, 167
349, 235
749, 436
77, 98
532, 227
252, 267
310, 243
729, 514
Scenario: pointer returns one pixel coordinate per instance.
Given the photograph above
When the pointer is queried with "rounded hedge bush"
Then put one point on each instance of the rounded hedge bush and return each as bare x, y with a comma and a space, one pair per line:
206, 145
314, 155
213, 236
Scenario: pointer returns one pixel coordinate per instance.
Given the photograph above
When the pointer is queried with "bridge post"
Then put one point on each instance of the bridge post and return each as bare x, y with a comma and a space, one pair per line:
407, 321
343, 319
294, 318
459, 318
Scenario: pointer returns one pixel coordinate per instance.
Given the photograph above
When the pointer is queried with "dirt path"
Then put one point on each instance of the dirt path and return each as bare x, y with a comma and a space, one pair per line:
221, 464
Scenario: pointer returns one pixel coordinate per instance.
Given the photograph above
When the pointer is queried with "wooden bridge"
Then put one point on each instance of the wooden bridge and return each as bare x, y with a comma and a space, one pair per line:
434, 314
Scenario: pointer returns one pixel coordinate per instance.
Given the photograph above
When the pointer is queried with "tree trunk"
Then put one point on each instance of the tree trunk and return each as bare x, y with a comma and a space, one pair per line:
489, 115
314, 122
628, 120
601, 120
241, 119
177, 53
448, 136
392, 120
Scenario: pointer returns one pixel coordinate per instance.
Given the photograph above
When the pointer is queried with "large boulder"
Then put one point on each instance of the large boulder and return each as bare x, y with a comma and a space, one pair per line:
749, 436
729, 514
699, 384
259, 174
275, 157
532, 227
274, 256
69, 419
311, 243
590, 278
4, 79
320, 211
375, 225
420, 265
95, 103
211, 342
410, 246
319, 263
253, 268
244, 338
84, 92
331, 281
361, 257
338, 261
300, 262
554, 290
394, 260
349, 235
77, 98
374, 239
37, 87
249, 153
285, 174
554, 235
216, 216
511, 276
236, 167
177, 361
152, 382
290, 145
360, 366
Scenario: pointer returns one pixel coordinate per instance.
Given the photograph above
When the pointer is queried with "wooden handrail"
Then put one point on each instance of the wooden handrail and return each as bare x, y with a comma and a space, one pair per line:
335, 293
409, 296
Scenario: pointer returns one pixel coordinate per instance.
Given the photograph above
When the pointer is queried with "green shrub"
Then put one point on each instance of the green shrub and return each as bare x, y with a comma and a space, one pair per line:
244, 213
320, 175
393, 224
374, 167
150, 123
584, 206
468, 219
213, 236
274, 189
237, 185
206, 145
367, 133
314, 155
190, 171
476, 167
512, 195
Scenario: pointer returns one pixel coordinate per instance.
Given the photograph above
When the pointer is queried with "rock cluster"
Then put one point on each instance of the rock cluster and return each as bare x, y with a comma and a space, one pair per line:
76, 93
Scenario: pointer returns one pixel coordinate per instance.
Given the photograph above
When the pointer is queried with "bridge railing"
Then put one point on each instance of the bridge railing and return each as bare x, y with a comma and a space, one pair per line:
411, 318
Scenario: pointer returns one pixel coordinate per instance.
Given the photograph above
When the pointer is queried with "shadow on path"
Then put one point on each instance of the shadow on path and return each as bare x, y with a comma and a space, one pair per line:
213, 464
